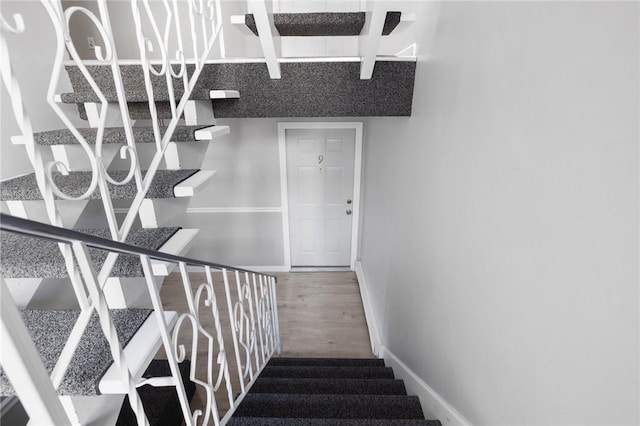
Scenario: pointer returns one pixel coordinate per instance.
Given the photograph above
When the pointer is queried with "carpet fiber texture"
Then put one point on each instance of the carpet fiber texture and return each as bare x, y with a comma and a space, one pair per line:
114, 135
49, 331
25, 187
305, 89
26, 257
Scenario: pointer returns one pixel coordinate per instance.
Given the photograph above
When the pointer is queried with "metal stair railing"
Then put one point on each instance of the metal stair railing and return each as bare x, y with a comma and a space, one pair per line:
252, 323
205, 21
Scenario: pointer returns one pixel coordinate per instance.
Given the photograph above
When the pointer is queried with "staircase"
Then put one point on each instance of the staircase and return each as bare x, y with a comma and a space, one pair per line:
107, 230
328, 391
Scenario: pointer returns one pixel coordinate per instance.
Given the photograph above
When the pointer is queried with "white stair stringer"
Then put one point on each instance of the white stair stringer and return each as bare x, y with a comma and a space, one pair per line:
139, 352
132, 292
177, 154
155, 213
70, 211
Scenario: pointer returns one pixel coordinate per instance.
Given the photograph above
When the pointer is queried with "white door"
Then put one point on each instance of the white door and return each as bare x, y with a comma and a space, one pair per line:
320, 165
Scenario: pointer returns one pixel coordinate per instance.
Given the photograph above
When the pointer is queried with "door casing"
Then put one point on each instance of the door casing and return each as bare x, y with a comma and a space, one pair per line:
357, 172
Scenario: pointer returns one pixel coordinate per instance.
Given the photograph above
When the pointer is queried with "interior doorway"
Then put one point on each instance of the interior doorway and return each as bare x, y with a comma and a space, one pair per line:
320, 177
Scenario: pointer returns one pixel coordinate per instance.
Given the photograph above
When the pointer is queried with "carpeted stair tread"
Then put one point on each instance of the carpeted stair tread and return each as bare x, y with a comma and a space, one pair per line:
25, 257
328, 362
318, 24
49, 331
391, 21
330, 406
134, 85
314, 24
25, 187
329, 386
114, 135
161, 404
277, 421
320, 372
306, 89
137, 110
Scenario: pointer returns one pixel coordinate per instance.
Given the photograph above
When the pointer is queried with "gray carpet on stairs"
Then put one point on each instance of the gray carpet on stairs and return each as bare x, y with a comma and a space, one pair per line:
26, 257
301, 372
316, 89
264, 421
161, 404
329, 386
114, 135
323, 23
25, 187
313, 24
134, 84
330, 406
50, 329
391, 22
137, 110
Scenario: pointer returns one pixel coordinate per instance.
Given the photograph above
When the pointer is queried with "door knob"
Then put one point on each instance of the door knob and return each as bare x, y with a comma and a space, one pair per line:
349, 201
348, 211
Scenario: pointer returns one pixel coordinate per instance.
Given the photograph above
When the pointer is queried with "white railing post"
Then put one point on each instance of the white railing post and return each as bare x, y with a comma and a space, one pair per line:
259, 307
371, 40
234, 333
263, 24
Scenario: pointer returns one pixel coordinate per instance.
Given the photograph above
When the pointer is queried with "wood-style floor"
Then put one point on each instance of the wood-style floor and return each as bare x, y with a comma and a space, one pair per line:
320, 315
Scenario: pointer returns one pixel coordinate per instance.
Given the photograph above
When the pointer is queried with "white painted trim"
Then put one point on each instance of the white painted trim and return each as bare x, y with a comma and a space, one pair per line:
224, 94
429, 398
193, 184
284, 194
178, 244
371, 41
369, 313
357, 171
210, 133
197, 210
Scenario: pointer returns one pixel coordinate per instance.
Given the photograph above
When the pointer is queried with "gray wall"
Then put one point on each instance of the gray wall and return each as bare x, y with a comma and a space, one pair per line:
237, 213
500, 238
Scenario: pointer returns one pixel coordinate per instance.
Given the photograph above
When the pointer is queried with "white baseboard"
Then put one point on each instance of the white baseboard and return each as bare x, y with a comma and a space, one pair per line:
432, 403
372, 324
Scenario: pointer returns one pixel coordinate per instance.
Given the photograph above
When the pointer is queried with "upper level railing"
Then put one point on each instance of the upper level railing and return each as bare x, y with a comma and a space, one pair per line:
251, 324
162, 34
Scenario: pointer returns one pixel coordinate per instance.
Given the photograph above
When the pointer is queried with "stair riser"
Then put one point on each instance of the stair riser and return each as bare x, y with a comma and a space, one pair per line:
327, 386
328, 372
69, 211
330, 406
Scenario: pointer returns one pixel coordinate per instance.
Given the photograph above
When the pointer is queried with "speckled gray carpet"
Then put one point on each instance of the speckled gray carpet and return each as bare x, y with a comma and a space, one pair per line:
325, 24
25, 187
314, 24
50, 330
25, 257
114, 135
306, 89
137, 110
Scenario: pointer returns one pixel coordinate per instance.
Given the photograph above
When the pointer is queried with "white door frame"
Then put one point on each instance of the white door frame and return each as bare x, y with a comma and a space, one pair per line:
357, 170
